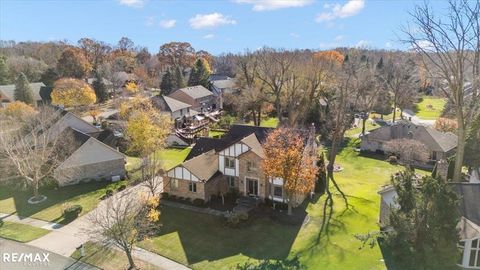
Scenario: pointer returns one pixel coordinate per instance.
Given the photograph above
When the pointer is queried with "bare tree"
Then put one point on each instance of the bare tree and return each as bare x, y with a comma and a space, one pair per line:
408, 150
449, 47
124, 220
152, 173
32, 147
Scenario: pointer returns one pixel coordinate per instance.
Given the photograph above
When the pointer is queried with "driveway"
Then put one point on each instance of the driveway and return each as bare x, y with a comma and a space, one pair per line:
408, 114
16, 256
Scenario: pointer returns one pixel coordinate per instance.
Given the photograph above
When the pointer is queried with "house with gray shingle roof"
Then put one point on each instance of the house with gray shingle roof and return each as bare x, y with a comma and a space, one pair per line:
175, 108
440, 145
200, 98
7, 93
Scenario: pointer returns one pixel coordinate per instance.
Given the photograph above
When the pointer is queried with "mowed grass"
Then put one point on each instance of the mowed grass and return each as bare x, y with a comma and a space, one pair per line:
85, 194
170, 157
204, 242
108, 258
354, 132
430, 108
271, 122
21, 232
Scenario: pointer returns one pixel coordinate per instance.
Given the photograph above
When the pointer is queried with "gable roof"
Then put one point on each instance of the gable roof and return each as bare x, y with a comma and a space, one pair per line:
204, 166
469, 200
238, 132
8, 90
195, 92
446, 140
169, 103
205, 144
252, 142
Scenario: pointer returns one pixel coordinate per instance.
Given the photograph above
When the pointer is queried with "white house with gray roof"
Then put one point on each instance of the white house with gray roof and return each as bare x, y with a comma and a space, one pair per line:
7, 93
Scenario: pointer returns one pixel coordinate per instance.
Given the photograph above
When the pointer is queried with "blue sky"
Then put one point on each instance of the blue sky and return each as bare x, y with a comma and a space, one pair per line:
214, 25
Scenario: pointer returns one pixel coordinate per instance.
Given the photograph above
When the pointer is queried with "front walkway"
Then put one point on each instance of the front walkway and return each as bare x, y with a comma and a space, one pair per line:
30, 221
192, 208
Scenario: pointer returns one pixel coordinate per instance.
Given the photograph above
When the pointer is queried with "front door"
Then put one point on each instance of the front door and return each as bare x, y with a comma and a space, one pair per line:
252, 187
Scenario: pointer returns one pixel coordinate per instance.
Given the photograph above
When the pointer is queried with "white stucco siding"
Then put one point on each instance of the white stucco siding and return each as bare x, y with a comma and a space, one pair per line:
235, 150
91, 152
230, 172
182, 173
221, 164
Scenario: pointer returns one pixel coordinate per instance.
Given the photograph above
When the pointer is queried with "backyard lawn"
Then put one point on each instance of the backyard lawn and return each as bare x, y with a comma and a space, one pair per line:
21, 232
85, 194
203, 242
170, 157
430, 108
271, 122
108, 258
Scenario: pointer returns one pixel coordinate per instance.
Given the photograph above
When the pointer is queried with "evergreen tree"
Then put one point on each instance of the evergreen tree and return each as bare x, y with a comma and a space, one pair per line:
23, 92
168, 83
100, 89
4, 74
179, 82
472, 149
200, 74
424, 234
49, 77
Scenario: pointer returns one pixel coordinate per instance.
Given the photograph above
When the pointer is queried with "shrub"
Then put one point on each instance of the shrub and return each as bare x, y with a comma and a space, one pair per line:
242, 216
281, 206
49, 183
164, 195
173, 197
108, 193
72, 212
121, 187
232, 219
392, 160
198, 202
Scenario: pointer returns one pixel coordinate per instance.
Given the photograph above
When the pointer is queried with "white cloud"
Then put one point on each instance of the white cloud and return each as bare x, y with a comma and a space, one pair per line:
209, 36
132, 3
294, 35
167, 23
351, 8
362, 44
388, 44
262, 5
150, 21
210, 20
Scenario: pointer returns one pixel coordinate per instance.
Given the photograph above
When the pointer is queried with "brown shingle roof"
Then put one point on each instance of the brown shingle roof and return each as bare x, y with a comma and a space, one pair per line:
203, 166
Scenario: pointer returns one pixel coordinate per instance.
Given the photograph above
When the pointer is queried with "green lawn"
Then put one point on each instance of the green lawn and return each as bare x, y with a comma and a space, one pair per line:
356, 131
203, 242
430, 108
108, 258
85, 194
215, 134
21, 232
271, 122
170, 157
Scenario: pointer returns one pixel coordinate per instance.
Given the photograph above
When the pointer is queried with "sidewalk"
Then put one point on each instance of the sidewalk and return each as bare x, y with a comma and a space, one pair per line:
30, 221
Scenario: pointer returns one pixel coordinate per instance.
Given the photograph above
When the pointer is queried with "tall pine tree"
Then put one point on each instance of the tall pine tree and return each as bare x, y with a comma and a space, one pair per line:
4, 74
200, 74
100, 88
168, 83
179, 82
23, 91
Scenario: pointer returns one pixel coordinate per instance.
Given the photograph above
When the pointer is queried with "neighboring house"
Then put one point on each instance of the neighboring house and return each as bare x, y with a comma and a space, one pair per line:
440, 145
175, 140
232, 163
199, 97
7, 93
469, 225
222, 85
108, 84
175, 108
91, 152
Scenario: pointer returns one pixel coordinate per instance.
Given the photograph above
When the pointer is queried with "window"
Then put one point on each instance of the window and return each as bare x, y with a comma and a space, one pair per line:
229, 163
192, 187
474, 260
174, 184
231, 181
278, 191
250, 166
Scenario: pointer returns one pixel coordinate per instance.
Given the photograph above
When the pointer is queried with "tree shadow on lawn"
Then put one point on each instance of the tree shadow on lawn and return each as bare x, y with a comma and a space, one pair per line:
54, 197
205, 237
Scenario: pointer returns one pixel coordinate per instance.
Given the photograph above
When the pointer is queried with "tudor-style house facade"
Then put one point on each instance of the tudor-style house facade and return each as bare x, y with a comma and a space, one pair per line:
233, 163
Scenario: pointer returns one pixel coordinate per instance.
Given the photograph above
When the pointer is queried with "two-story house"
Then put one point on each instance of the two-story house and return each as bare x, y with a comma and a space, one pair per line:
199, 97
175, 108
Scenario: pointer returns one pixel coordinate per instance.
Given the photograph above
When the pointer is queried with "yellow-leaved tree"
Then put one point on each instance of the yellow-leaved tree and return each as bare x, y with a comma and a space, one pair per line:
71, 92
287, 158
132, 87
18, 110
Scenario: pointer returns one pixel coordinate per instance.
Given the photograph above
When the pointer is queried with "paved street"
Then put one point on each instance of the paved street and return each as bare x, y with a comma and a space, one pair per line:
16, 256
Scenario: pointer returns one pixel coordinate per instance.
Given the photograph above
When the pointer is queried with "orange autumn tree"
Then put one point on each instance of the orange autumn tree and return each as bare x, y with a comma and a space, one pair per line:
287, 158
18, 110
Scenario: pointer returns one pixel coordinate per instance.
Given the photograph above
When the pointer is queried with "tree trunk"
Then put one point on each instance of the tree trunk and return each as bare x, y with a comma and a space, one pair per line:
364, 121
457, 173
289, 212
35, 189
259, 117
381, 116
131, 263
401, 114
394, 113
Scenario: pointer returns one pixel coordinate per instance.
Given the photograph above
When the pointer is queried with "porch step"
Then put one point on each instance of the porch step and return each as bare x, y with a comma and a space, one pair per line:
245, 204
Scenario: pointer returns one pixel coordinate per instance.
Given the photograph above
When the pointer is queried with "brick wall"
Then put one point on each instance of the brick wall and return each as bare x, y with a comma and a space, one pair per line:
183, 189
97, 171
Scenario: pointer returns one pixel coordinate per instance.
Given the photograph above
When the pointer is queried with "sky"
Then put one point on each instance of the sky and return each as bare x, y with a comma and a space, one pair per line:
217, 26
